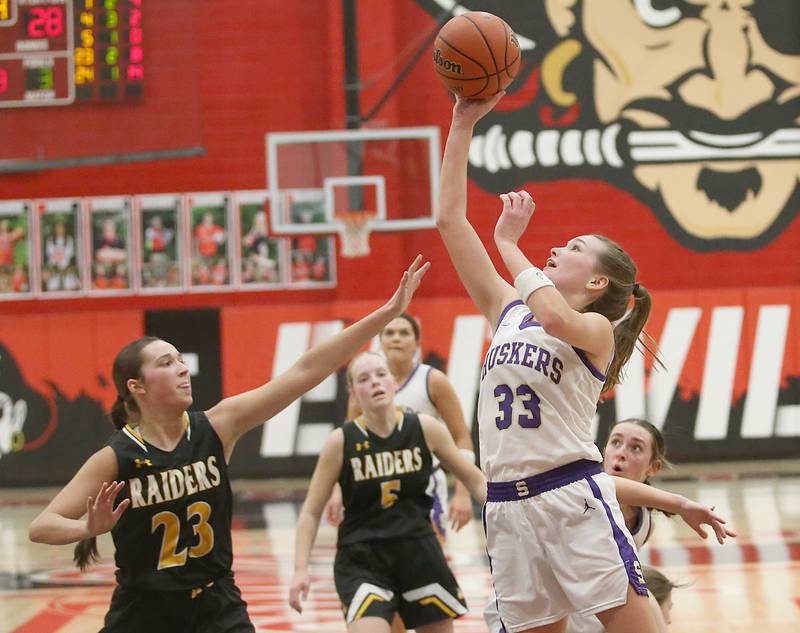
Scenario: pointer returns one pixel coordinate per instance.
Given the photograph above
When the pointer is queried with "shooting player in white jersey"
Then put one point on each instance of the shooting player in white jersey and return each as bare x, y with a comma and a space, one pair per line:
554, 351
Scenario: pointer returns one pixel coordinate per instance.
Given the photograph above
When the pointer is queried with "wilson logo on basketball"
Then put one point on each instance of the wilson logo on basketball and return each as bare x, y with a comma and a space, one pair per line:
446, 64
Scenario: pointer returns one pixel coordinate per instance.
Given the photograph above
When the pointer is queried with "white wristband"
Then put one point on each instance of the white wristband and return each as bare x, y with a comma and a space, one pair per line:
530, 280
470, 455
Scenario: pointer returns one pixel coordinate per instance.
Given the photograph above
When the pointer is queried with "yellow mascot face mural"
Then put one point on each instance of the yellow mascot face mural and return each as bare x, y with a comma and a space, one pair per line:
692, 105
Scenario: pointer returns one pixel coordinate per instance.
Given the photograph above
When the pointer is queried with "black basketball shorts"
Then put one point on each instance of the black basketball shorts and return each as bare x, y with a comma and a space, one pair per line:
406, 576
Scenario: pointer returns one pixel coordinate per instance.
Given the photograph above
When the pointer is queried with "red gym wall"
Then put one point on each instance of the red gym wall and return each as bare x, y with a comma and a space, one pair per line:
221, 75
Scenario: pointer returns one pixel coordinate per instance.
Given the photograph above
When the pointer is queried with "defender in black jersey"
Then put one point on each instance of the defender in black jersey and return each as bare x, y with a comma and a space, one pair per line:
174, 541
172, 530
388, 558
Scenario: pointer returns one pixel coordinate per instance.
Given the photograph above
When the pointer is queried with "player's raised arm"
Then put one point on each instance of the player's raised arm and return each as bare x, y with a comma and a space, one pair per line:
236, 415
589, 331
694, 514
486, 287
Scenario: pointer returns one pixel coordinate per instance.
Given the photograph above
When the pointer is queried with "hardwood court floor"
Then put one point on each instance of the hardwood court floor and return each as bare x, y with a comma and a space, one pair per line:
750, 584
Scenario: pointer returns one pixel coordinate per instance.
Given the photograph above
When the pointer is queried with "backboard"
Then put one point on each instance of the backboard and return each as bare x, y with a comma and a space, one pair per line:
390, 174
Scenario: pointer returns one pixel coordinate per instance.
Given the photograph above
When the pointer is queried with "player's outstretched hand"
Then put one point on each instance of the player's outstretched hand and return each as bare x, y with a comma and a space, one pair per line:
408, 286
518, 208
100, 513
696, 515
468, 112
298, 591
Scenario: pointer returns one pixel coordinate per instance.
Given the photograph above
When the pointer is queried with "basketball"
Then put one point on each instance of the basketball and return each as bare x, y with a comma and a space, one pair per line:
476, 55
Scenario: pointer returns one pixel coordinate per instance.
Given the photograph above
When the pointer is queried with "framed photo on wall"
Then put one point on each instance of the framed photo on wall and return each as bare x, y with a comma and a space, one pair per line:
110, 248
210, 239
161, 244
60, 261
261, 264
312, 257
15, 249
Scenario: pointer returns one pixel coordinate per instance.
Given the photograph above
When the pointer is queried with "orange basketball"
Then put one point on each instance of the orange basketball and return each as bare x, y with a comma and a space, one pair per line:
476, 55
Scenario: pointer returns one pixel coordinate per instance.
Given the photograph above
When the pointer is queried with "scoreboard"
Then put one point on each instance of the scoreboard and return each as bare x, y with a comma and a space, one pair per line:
58, 52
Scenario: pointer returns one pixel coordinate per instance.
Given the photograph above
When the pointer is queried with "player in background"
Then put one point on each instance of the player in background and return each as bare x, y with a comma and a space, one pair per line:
388, 559
421, 389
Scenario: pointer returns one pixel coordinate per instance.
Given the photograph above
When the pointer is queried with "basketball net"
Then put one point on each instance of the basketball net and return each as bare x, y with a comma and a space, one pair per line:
354, 228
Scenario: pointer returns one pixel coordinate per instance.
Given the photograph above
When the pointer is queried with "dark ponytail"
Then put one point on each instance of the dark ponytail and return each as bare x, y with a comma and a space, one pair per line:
618, 266
627, 332
127, 365
85, 553
119, 414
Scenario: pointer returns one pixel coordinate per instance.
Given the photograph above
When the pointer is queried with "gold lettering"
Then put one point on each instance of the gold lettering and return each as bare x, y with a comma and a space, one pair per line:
165, 485
408, 461
153, 491
200, 476
135, 486
176, 483
522, 489
355, 464
398, 463
188, 478
417, 458
388, 463
212, 468
369, 468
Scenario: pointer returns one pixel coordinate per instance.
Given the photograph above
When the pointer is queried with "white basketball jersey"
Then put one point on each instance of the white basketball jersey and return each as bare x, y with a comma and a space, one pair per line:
413, 394
538, 396
643, 528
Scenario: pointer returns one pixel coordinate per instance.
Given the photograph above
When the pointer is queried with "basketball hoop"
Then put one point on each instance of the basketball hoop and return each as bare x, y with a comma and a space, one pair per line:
354, 228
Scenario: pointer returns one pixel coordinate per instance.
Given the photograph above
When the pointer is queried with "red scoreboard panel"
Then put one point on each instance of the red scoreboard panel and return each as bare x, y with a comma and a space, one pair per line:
58, 52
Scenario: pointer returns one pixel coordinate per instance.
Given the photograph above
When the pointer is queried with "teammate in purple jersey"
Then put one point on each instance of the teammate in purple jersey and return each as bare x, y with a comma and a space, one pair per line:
556, 538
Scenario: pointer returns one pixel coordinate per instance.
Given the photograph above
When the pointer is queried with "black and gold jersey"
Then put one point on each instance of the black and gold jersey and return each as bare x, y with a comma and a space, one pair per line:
384, 482
176, 534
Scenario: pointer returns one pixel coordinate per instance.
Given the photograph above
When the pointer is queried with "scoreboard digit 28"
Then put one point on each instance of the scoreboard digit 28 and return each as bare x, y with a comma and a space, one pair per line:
58, 52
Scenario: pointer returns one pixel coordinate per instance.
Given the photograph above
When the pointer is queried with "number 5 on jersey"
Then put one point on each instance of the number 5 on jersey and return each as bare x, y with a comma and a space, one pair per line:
389, 490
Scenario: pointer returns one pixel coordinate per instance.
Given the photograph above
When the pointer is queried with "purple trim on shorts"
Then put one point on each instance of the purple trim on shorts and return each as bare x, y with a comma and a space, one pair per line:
626, 551
410, 376
537, 484
516, 302
486, 539
436, 514
585, 360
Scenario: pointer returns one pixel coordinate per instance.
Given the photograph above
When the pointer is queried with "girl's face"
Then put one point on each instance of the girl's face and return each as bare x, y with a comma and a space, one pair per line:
372, 383
573, 266
629, 453
165, 377
397, 340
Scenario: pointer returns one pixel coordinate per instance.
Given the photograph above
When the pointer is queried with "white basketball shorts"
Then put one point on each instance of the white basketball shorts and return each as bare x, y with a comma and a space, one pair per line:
557, 544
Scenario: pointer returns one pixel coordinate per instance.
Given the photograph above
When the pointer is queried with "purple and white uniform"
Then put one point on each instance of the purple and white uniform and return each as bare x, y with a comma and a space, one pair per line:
641, 532
414, 395
556, 538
